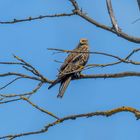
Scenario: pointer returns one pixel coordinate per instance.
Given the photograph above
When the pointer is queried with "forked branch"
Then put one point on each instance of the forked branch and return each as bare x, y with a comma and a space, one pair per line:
41, 79
77, 10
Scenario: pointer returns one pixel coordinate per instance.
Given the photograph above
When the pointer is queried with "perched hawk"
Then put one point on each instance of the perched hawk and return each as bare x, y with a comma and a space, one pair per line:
72, 66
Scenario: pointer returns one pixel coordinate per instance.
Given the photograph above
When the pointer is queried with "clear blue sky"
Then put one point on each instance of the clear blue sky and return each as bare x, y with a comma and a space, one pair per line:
30, 41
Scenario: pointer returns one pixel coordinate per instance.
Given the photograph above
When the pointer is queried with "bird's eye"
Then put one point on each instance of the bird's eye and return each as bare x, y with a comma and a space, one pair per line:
83, 41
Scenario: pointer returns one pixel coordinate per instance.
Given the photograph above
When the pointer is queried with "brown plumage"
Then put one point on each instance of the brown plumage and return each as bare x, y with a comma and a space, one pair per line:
72, 66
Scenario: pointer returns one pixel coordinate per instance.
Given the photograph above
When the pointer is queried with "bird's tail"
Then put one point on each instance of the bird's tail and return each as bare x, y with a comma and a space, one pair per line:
64, 84
54, 83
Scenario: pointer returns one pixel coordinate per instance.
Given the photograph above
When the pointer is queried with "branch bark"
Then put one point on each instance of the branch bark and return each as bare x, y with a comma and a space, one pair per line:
112, 16
77, 11
107, 113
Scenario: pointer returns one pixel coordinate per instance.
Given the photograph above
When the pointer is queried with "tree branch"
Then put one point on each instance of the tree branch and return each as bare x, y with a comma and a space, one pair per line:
97, 24
36, 18
124, 60
39, 108
23, 94
20, 75
112, 17
107, 113
114, 75
6, 98
11, 82
77, 11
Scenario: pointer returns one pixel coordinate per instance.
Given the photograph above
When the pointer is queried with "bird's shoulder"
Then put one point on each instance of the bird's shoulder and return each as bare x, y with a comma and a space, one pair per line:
73, 60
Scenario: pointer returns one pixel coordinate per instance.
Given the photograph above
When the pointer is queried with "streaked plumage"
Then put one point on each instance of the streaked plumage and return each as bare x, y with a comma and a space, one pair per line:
72, 66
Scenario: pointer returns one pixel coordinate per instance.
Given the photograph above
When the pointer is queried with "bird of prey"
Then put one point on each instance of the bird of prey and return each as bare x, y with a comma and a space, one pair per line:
72, 66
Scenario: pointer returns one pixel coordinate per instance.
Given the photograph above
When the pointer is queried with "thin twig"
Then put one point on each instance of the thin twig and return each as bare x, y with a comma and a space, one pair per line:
11, 100
10, 83
11, 63
23, 94
36, 18
20, 75
34, 70
39, 108
133, 52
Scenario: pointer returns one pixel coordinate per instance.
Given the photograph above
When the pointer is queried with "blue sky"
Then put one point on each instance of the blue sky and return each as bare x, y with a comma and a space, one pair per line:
30, 41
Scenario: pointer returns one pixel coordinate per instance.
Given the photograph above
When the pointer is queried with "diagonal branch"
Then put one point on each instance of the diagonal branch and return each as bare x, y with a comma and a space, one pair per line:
75, 5
105, 27
112, 17
9, 101
102, 26
3, 87
39, 108
34, 71
77, 11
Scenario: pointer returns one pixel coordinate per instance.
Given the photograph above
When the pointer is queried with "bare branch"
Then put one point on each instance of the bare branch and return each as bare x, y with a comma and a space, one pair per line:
39, 77
124, 60
36, 18
75, 5
19, 74
115, 75
112, 17
33, 70
39, 108
101, 53
133, 52
77, 11
11, 100
136, 20
23, 94
10, 82
121, 34
11, 63
74, 117
97, 24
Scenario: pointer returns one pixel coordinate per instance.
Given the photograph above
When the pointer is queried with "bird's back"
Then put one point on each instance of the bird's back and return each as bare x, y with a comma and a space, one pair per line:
75, 61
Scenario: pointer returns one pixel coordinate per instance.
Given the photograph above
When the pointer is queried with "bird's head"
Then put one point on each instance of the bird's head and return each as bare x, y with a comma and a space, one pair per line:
83, 41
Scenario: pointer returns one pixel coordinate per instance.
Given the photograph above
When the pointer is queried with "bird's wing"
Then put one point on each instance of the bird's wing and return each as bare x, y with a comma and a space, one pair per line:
63, 86
70, 58
74, 61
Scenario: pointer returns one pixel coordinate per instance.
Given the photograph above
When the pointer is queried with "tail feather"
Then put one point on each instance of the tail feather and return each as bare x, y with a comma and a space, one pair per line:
63, 86
54, 83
